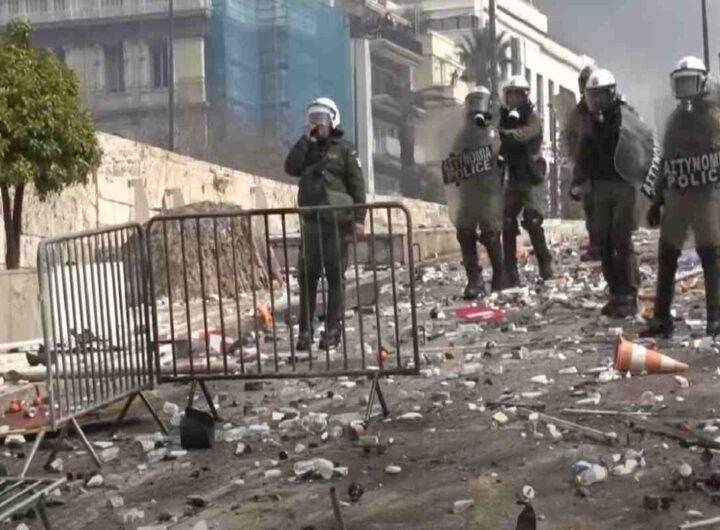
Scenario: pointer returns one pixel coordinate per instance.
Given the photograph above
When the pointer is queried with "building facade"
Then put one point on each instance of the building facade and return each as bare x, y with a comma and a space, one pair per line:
384, 56
243, 67
119, 51
550, 68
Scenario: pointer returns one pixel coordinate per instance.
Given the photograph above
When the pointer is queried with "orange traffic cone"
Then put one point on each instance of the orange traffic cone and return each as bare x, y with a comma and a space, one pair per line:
634, 358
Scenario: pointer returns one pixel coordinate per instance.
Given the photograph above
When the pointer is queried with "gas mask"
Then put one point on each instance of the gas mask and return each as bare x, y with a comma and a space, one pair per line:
478, 108
600, 100
320, 121
688, 85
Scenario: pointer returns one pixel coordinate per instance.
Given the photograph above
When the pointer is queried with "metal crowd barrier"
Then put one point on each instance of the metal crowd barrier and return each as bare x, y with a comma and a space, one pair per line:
224, 291
95, 319
216, 296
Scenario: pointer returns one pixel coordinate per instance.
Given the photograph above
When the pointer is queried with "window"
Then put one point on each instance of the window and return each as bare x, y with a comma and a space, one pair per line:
14, 7
114, 67
383, 82
515, 56
111, 3
160, 65
35, 6
465, 23
60, 5
540, 92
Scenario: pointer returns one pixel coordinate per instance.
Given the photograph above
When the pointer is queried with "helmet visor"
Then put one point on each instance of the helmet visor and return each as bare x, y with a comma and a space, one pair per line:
600, 99
688, 84
319, 118
516, 97
478, 103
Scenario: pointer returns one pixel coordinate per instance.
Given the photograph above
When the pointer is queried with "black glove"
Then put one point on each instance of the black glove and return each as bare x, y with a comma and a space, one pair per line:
654, 215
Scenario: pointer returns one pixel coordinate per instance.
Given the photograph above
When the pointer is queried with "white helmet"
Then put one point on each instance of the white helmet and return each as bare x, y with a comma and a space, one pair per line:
689, 78
325, 105
601, 91
517, 82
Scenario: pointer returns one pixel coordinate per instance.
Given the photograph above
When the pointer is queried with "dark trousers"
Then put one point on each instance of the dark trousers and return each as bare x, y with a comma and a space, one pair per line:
614, 221
592, 236
324, 246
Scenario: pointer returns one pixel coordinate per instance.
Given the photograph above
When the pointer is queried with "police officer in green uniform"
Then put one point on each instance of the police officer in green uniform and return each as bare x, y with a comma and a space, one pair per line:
577, 124
688, 193
330, 175
521, 133
613, 194
474, 190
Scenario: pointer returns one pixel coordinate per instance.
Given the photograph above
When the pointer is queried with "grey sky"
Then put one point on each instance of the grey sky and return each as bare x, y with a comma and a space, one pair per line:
638, 40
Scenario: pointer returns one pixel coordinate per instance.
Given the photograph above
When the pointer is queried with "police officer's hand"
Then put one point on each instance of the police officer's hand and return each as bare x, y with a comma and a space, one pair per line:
309, 132
654, 215
576, 192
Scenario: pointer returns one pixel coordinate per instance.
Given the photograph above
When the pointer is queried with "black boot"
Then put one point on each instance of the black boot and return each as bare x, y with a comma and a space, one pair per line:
610, 306
539, 243
626, 306
304, 341
709, 257
330, 338
493, 246
628, 279
661, 325
509, 244
467, 237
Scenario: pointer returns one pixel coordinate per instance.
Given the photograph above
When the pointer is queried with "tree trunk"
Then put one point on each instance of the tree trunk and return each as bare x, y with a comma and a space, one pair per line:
12, 217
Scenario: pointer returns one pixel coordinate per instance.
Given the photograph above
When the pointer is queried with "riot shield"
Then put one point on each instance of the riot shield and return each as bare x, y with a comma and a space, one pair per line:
473, 179
637, 156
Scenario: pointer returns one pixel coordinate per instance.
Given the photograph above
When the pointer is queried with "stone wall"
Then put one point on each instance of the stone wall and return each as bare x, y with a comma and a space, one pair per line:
136, 181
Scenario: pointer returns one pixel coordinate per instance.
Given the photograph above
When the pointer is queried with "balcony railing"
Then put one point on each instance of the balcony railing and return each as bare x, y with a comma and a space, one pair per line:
46, 11
383, 29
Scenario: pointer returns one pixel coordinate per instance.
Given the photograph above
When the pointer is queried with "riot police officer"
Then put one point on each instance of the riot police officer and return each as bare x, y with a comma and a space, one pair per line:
521, 133
330, 175
474, 187
577, 125
614, 190
688, 193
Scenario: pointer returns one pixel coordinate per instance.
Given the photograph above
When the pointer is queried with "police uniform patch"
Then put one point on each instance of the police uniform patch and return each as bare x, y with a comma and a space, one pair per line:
693, 172
468, 164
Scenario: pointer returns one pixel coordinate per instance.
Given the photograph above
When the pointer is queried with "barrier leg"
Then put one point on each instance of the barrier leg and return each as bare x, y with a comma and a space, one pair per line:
336, 509
86, 442
209, 400
123, 412
36, 445
58, 443
153, 413
376, 391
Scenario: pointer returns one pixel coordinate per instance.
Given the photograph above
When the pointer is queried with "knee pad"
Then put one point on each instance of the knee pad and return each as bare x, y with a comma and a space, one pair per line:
532, 220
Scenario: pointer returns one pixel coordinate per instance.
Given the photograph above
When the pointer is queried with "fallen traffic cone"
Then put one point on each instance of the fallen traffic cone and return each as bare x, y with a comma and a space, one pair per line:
634, 358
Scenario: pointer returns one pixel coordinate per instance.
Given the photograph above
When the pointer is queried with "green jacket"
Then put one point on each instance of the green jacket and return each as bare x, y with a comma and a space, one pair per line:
330, 175
521, 146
